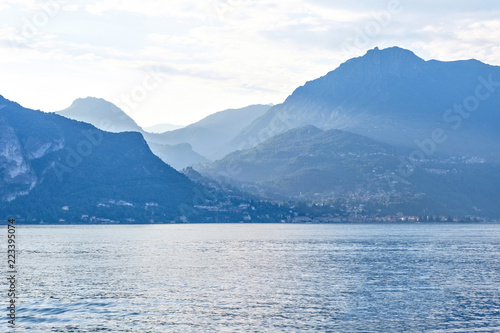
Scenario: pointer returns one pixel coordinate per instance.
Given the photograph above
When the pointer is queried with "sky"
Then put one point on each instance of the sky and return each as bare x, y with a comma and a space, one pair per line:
177, 61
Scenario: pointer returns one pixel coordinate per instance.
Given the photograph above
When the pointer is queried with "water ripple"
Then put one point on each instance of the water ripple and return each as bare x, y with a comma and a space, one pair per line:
259, 278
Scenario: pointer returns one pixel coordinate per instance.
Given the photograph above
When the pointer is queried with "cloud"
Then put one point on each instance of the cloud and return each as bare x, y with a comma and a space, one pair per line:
190, 72
466, 40
155, 8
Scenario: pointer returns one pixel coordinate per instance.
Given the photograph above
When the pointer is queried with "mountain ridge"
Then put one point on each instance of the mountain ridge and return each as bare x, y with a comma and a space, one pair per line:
108, 117
345, 168
211, 135
102, 114
59, 168
394, 104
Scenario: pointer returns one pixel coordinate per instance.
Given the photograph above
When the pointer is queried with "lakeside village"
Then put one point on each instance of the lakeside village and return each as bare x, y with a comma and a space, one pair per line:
248, 213
398, 218
227, 204
236, 209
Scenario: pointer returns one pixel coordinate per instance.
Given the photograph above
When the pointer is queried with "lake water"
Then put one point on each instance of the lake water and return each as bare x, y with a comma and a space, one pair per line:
257, 278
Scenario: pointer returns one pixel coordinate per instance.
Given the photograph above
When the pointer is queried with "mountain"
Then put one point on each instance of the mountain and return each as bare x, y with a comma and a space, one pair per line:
308, 160
313, 164
178, 156
211, 136
161, 128
395, 97
108, 117
102, 114
55, 168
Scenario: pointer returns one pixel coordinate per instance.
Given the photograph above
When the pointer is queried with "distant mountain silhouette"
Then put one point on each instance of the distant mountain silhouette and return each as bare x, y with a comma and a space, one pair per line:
393, 96
211, 136
178, 156
208, 137
108, 117
102, 114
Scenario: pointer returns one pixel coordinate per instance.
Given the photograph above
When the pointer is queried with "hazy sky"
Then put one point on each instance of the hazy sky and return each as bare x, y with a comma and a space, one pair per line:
179, 60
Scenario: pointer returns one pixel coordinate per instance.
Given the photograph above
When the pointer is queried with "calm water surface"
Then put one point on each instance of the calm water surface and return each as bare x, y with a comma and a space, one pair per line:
257, 278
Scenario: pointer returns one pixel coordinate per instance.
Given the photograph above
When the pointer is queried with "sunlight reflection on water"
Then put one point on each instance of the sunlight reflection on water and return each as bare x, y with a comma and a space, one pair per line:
265, 278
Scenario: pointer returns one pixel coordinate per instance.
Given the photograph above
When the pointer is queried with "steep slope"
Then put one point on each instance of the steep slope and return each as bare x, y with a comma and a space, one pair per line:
108, 117
313, 164
52, 167
309, 160
210, 136
102, 114
393, 96
178, 156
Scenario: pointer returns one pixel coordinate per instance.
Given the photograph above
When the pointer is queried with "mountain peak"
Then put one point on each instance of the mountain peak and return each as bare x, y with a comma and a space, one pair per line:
91, 101
392, 59
100, 113
391, 51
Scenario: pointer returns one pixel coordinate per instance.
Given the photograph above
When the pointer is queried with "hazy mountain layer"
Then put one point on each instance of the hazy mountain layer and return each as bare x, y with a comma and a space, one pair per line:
211, 136
312, 164
108, 117
102, 114
178, 156
208, 137
393, 96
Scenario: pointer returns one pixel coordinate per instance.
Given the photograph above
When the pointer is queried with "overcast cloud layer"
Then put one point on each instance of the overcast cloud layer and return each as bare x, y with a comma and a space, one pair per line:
179, 60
